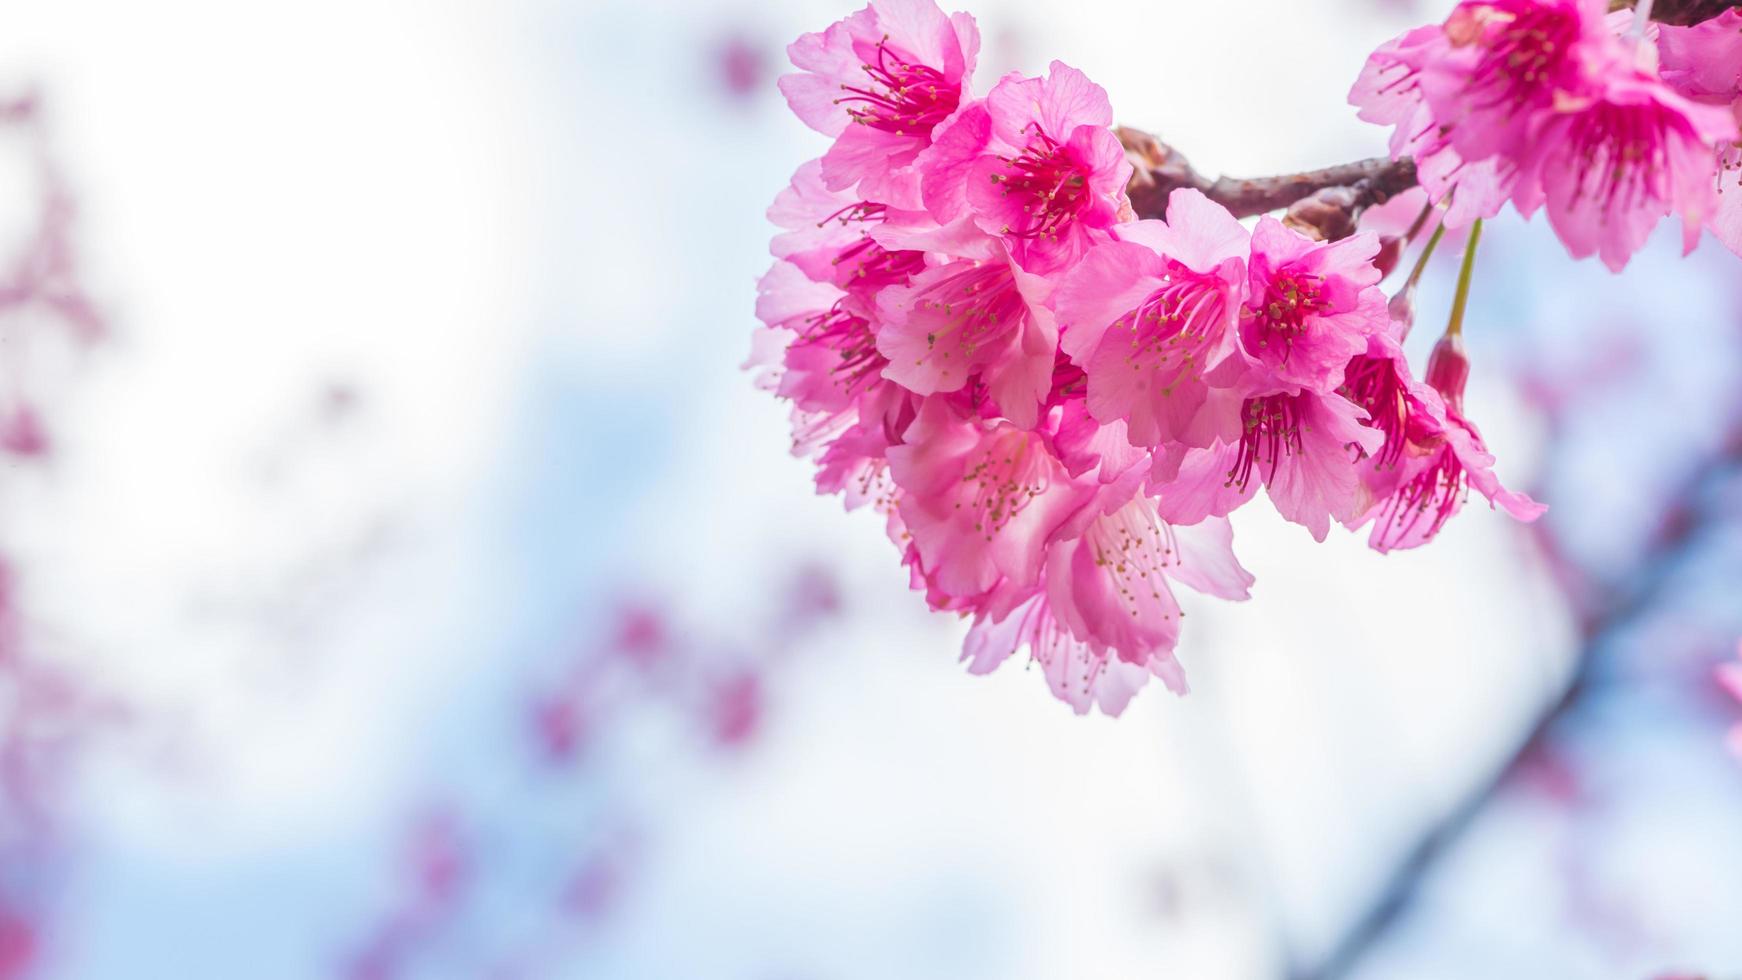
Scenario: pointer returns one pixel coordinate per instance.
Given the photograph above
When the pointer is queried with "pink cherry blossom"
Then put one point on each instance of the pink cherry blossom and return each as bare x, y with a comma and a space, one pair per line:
1416, 478
980, 499
972, 320
1151, 320
1073, 671
880, 81
1704, 63
1310, 306
826, 354
1303, 447
1503, 64
818, 351
1055, 406
1388, 92
1041, 169
1611, 161
1540, 102
829, 235
1105, 618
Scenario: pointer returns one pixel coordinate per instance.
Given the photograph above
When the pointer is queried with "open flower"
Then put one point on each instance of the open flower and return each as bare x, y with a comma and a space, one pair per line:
1105, 619
1417, 478
1540, 101
1704, 63
818, 350
1503, 63
830, 235
1302, 447
880, 81
1151, 319
1038, 167
1612, 159
1388, 92
972, 320
1310, 306
980, 499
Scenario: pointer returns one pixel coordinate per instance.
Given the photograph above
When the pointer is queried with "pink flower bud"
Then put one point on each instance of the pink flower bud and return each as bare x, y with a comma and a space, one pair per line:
1402, 310
1447, 370
1390, 250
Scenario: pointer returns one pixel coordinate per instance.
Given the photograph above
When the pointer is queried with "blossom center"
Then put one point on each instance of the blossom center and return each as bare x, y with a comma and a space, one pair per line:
1174, 329
1008, 474
849, 335
1618, 152
1048, 183
976, 307
1432, 495
1270, 430
1521, 56
1133, 548
900, 97
1290, 300
866, 264
1373, 384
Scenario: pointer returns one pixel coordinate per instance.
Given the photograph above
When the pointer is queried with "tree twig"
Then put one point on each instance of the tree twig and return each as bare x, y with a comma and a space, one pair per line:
1161, 169
1665, 555
1683, 13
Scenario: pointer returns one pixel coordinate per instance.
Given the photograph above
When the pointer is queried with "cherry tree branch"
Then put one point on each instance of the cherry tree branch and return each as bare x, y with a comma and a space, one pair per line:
1343, 191
1683, 13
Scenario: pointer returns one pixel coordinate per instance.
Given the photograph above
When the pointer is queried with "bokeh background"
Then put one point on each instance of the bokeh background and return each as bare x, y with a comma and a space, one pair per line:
401, 580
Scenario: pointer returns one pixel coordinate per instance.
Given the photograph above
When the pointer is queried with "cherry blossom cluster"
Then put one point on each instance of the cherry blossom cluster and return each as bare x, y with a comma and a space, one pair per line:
1605, 120
1057, 405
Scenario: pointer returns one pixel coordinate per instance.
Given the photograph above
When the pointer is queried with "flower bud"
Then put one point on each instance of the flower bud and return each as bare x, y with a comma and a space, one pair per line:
1327, 216
1447, 370
1390, 250
1402, 310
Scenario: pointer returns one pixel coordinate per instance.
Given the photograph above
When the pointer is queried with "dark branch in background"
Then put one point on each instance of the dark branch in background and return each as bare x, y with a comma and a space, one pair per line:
1324, 202
1692, 506
1328, 203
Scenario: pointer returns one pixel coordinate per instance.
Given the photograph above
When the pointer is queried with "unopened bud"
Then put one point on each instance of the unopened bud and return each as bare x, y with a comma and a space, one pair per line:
1390, 250
1328, 215
1402, 310
1157, 170
1447, 370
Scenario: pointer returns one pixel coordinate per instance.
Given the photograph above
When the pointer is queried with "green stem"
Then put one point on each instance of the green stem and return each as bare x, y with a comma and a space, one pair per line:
1426, 253
1455, 328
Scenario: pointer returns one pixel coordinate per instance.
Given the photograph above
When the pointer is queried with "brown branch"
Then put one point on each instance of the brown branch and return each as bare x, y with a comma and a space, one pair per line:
1160, 170
1345, 190
1683, 13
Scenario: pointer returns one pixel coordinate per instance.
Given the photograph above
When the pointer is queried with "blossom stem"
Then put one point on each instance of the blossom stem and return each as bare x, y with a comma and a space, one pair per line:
1455, 327
1641, 14
1426, 253
1415, 226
